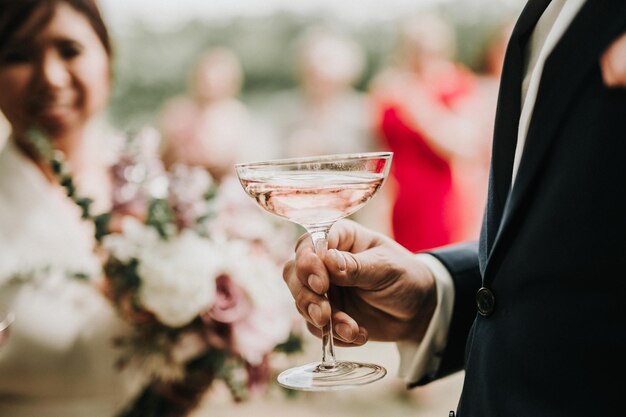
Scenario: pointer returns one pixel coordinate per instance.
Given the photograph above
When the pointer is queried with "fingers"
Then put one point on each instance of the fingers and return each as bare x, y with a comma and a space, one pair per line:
362, 258
314, 307
346, 332
358, 264
368, 270
348, 265
309, 268
347, 235
346, 329
344, 267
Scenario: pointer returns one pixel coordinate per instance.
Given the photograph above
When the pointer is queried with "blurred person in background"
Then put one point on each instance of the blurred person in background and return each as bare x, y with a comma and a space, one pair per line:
470, 174
326, 115
210, 127
55, 76
421, 114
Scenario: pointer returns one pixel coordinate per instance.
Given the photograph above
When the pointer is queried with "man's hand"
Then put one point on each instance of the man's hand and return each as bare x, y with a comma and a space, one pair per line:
377, 288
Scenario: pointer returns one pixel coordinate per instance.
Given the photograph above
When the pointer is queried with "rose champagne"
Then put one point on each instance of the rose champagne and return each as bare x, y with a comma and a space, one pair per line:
312, 198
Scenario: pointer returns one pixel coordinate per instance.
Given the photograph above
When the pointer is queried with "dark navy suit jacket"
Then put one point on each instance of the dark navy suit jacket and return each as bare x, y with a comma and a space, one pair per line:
553, 247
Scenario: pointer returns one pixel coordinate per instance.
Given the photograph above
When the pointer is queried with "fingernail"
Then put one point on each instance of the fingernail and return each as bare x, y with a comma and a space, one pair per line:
360, 339
315, 312
316, 284
344, 331
339, 259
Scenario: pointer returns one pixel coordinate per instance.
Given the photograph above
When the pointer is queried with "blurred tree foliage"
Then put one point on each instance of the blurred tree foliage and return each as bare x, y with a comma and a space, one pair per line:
153, 65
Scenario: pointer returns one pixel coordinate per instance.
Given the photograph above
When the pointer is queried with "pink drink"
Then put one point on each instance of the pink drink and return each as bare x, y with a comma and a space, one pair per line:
312, 198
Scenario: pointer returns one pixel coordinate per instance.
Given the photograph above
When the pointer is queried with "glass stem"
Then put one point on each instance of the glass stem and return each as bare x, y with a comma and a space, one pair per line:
320, 243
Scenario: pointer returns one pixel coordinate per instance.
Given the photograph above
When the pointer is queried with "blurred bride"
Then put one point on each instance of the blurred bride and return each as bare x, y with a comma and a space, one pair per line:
210, 127
55, 74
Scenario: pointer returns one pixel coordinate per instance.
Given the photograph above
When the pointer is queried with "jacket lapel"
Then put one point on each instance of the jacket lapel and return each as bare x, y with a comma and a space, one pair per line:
590, 33
506, 124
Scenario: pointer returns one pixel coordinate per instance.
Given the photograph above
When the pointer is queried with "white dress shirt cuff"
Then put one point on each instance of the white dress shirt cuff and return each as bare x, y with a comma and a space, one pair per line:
418, 360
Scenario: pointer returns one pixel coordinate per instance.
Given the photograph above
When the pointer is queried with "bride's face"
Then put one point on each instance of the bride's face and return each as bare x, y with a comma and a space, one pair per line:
53, 76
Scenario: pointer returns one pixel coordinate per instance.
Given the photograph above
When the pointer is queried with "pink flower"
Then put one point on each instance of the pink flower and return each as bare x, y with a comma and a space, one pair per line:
231, 302
254, 332
258, 376
259, 333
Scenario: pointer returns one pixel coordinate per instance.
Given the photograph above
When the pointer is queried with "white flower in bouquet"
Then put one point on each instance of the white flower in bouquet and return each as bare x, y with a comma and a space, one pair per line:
178, 278
197, 280
136, 237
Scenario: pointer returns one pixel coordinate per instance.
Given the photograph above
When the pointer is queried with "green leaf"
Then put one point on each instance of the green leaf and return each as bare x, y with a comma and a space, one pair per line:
291, 345
68, 183
161, 217
84, 203
101, 222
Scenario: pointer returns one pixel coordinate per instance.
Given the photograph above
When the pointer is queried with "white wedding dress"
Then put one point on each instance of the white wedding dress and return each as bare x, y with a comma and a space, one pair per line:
58, 360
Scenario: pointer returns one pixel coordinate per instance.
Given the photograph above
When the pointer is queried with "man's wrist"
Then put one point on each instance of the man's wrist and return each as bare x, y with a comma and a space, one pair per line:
419, 360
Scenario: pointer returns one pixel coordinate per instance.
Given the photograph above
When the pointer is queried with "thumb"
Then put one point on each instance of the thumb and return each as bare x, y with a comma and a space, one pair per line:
363, 270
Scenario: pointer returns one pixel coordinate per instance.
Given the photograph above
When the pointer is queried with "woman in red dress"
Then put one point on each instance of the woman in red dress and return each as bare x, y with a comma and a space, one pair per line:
421, 118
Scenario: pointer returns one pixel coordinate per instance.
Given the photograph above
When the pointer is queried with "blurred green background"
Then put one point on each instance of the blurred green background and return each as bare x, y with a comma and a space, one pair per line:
153, 61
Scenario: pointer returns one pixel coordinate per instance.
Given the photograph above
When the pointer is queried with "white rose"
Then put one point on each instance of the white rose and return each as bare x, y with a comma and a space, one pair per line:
120, 247
135, 238
178, 278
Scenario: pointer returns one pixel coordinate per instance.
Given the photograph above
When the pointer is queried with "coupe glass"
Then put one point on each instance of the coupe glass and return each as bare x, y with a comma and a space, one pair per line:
315, 192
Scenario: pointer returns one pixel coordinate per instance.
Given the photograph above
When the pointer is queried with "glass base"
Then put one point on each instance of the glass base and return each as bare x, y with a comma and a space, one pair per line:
315, 377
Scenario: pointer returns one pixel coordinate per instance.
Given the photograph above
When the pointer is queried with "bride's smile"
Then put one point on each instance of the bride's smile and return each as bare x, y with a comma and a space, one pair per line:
54, 72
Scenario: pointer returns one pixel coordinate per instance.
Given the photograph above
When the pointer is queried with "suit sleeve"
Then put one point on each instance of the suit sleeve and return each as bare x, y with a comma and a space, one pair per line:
461, 261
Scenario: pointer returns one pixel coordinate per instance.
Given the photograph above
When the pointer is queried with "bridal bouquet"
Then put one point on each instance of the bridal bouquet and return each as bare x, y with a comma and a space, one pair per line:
189, 266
